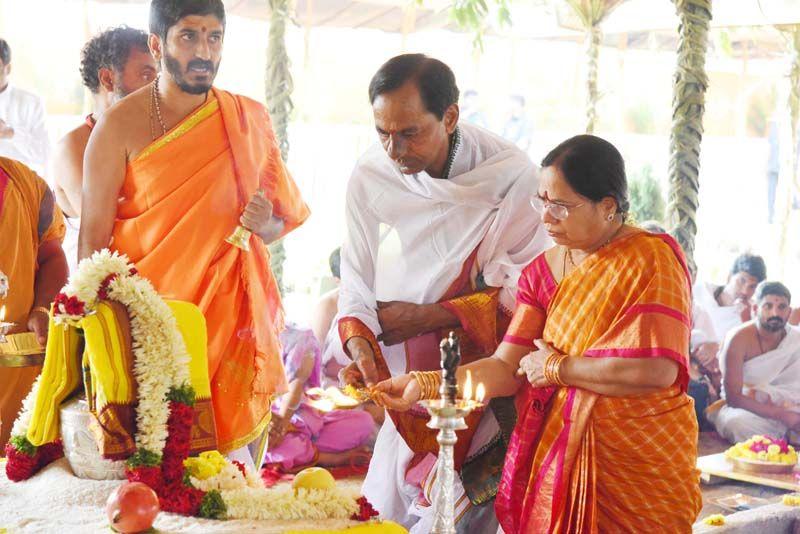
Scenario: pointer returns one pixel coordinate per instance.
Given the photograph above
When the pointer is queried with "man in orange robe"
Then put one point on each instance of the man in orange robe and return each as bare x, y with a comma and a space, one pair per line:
170, 172
32, 261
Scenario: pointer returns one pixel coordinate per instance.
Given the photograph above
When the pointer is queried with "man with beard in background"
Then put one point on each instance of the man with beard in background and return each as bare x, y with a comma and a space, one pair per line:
169, 173
114, 64
760, 364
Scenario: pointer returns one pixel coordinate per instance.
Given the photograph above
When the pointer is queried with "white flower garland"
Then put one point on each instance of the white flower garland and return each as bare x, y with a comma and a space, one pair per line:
160, 356
161, 361
287, 504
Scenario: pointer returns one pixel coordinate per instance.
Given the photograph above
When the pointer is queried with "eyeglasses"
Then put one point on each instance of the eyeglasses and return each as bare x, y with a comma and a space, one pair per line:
557, 211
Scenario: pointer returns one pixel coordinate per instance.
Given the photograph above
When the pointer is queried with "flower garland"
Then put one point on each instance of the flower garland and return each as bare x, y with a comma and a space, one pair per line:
161, 372
209, 486
764, 449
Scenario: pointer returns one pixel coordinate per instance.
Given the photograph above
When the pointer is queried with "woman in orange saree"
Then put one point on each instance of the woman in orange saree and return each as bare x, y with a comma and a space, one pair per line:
606, 438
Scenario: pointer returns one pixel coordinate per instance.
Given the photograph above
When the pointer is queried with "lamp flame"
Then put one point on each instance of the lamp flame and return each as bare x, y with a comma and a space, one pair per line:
480, 392
468, 387
2, 314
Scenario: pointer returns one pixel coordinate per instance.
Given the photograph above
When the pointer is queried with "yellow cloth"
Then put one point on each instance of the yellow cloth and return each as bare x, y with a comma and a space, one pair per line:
108, 374
28, 218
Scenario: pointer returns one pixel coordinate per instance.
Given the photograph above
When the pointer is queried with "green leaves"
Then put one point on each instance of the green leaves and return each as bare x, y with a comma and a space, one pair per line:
185, 394
144, 458
22, 444
212, 506
473, 15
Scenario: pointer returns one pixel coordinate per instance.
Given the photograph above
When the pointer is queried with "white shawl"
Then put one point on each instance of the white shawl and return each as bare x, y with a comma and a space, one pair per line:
434, 225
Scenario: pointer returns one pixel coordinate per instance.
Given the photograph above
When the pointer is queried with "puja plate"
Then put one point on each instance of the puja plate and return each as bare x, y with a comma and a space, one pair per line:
744, 465
331, 398
739, 502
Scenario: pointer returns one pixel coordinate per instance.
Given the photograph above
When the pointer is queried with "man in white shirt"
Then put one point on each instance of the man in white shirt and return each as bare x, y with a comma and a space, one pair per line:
456, 202
23, 132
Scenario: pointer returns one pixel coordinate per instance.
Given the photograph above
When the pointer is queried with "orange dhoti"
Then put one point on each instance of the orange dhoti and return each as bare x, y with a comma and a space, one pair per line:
182, 196
579, 462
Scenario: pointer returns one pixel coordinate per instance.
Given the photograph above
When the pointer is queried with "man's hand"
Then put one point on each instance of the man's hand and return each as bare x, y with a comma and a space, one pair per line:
257, 217
38, 323
401, 321
6, 131
362, 370
706, 355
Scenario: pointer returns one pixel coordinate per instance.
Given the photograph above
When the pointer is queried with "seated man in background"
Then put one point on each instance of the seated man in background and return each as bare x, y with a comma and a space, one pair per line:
729, 305
760, 372
32, 227
726, 307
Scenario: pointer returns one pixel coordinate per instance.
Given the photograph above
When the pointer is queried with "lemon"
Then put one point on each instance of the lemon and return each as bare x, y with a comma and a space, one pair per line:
314, 478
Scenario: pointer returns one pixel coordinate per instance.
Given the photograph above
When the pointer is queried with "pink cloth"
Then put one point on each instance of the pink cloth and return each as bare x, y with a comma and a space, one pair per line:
335, 431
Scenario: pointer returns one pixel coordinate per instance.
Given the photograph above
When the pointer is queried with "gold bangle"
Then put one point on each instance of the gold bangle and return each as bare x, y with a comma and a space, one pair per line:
428, 383
44, 309
552, 368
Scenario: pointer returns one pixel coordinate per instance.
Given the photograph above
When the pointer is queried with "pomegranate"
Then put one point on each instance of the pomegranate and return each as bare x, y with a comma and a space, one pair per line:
132, 507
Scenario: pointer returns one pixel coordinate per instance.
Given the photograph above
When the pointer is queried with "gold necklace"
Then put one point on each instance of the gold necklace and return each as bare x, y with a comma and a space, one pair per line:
155, 104
569, 250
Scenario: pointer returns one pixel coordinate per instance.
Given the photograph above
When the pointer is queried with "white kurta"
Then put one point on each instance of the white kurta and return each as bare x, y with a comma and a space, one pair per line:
25, 113
774, 378
723, 318
433, 226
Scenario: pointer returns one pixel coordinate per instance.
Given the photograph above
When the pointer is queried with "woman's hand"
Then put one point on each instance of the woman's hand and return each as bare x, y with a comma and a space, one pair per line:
277, 429
397, 393
532, 365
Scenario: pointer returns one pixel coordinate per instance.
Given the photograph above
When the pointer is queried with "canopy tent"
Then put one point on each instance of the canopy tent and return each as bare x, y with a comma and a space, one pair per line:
745, 29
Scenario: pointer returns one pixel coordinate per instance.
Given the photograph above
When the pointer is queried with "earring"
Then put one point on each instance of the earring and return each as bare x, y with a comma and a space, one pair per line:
610, 217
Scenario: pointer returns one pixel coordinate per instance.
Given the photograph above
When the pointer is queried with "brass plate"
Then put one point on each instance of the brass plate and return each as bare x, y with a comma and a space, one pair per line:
21, 360
744, 465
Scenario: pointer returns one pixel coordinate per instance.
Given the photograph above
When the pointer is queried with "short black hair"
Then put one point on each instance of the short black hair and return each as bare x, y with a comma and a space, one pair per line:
335, 262
434, 80
593, 168
772, 288
750, 264
109, 50
5, 52
164, 14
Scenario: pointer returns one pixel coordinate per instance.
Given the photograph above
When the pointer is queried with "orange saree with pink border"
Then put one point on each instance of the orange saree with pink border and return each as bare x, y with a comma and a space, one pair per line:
580, 462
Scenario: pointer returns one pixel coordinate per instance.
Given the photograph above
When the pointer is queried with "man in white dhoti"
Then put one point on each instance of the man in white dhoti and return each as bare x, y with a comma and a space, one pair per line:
455, 201
760, 364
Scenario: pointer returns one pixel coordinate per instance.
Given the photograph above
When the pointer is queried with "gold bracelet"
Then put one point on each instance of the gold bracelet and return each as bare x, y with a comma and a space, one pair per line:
44, 309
